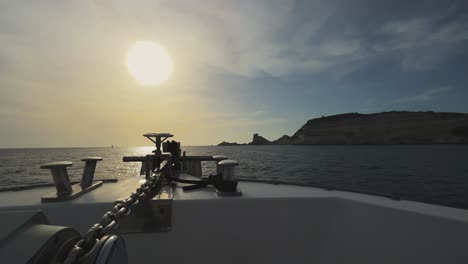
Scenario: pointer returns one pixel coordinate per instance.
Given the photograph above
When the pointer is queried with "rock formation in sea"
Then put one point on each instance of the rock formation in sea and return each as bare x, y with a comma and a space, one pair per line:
224, 143
259, 140
401, 127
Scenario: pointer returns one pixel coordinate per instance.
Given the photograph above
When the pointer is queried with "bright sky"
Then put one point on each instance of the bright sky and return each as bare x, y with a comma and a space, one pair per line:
239, 67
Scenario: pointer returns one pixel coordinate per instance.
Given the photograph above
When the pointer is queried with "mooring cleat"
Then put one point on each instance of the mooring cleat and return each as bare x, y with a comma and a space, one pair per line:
88, 171
65, 190
60, 176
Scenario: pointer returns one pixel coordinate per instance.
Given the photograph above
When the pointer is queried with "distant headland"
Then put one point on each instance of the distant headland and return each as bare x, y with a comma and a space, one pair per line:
386, 128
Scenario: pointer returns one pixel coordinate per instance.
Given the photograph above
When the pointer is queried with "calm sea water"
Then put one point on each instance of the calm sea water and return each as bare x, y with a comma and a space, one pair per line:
433, 174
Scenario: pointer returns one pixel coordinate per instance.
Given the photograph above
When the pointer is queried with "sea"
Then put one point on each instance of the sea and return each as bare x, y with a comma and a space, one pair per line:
436, 174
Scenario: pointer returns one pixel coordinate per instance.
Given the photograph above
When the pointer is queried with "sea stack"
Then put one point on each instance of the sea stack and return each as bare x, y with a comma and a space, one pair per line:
259, 140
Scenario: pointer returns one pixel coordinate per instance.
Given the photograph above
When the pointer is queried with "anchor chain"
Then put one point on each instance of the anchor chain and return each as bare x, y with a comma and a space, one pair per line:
110, 220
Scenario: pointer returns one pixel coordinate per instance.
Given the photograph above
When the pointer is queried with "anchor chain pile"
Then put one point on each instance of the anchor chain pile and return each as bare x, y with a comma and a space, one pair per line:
88, 245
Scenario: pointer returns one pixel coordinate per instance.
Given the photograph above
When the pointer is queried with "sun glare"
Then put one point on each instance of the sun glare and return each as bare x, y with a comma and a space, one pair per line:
149, 63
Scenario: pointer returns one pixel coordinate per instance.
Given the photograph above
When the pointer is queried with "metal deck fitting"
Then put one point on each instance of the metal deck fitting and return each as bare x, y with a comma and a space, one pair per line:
65, 190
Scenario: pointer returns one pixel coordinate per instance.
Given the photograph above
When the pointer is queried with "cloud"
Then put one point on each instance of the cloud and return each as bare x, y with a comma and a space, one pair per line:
240, 38
56, 57
424, 96
406, 27
423, 43
254, 38
245, 38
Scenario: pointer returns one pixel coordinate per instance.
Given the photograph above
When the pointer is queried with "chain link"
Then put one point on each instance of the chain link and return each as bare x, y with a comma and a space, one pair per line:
110, 220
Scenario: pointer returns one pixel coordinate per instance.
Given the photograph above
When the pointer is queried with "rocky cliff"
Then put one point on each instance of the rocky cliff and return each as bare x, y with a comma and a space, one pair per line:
379, 128
385, 128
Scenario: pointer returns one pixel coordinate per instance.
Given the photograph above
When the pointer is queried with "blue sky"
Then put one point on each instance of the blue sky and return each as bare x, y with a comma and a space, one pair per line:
241, 67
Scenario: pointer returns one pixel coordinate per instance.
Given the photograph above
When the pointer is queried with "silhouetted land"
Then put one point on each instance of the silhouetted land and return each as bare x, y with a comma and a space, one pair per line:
379, 128
224, 143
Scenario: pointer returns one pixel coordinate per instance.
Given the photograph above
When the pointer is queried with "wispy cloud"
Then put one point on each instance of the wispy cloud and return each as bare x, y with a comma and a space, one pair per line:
425, 42
424, 96
244, 38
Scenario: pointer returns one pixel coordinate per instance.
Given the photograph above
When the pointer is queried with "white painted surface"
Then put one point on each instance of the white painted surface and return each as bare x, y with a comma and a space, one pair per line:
275, 224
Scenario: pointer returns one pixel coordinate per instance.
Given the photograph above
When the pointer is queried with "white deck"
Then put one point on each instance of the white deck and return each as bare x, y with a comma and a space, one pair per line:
274, 224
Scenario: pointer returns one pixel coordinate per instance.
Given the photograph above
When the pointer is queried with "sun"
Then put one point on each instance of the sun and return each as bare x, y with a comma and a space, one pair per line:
149, 63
